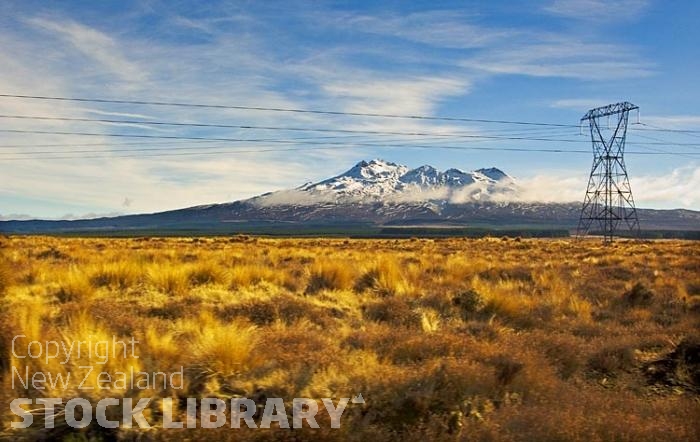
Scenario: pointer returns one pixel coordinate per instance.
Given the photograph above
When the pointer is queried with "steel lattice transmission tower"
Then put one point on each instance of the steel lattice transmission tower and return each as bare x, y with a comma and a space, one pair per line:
608, 203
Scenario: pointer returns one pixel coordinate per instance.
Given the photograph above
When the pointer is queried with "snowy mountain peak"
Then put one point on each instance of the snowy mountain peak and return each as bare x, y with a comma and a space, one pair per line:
375, 169
423, 176
493, 173
378, 180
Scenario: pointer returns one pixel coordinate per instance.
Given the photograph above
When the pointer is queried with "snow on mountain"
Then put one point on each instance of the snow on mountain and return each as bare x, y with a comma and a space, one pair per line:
375, 178
379, 180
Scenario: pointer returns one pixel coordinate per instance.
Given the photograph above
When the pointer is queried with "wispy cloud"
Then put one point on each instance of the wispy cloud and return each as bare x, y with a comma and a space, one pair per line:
564, 58
444, 29
403, 96
673, 121
580, 104
102, 49
598, 10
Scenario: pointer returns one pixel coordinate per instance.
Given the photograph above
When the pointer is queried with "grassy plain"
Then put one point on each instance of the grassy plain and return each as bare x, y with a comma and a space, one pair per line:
446, 339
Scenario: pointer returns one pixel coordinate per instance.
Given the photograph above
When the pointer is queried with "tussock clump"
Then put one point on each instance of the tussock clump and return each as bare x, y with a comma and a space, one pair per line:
169, 279
513, 308
222, 348
247, 275
517, 273
75, 286
638, 295
422, 347
679, 368
506, 369
392, 311
468, 302
384, 279
286, 308
5, 276
565, 355
617, 272
612, 360
52, 253
329, 276
118, 274
260, 313
367, 281
207, 273
169, 311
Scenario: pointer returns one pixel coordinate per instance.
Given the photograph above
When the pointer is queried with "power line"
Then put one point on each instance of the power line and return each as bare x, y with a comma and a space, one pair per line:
204, 150
653, 128
664, 150
257, 140
296, 149
180, 137
325, 112
290, 149
204, 147
157, 143
279, 109
234, 126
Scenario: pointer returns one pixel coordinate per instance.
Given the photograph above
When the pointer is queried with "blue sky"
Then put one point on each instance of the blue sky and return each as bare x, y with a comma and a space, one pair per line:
542, 61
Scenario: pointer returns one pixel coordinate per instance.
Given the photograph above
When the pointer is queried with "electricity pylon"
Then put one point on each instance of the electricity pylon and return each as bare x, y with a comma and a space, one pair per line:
608, 202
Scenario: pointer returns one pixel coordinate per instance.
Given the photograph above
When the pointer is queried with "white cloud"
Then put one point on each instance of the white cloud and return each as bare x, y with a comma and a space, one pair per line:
96, 45
678, 188
598, 10
444, 29
672, 121
564, 58
581, 104
557, 187
402, 96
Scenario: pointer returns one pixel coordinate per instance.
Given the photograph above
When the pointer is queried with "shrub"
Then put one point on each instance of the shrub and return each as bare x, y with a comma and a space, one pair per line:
505, 370
638, 295
565, 355
612, 360
468, 302
392, 311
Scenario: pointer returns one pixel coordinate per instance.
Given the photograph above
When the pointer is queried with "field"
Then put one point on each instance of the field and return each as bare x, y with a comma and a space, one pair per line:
446, 339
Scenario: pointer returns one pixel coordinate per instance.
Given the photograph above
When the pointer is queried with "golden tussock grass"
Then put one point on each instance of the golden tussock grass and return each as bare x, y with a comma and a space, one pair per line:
446, 339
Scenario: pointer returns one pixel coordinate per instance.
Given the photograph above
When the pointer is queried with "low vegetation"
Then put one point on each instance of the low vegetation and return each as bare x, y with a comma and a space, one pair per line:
446, 339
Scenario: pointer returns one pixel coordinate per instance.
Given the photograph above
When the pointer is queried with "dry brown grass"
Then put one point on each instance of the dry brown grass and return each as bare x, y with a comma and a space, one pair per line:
446, 339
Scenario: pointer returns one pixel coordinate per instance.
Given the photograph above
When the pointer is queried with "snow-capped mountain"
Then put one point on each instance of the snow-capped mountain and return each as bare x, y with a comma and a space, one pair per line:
372, 193
379, 180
